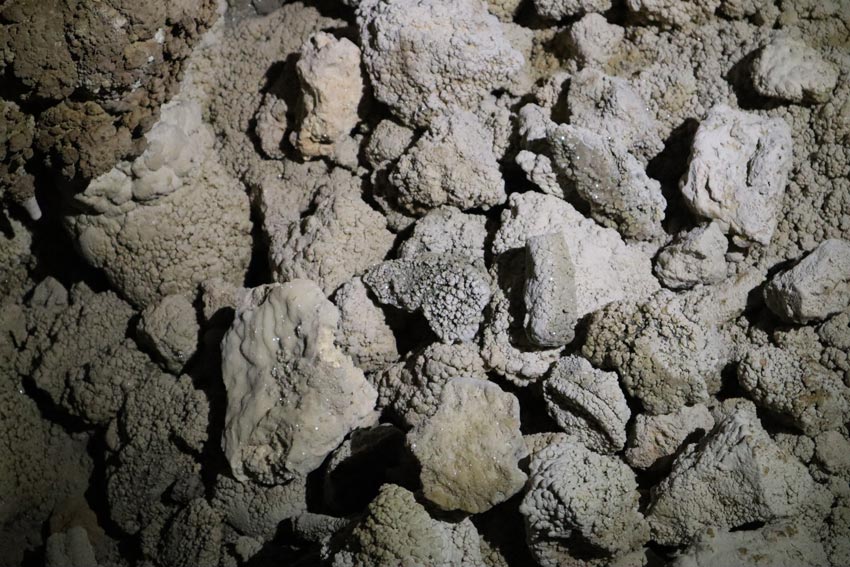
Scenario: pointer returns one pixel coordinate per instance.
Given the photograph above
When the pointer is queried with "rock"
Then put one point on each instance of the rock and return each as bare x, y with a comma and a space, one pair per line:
550, 293
817, 287
738, 168
470, 449
788, 69
654, 437
697, 256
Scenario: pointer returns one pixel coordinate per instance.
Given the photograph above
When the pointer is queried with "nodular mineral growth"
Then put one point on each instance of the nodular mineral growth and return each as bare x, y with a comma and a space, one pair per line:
432, 283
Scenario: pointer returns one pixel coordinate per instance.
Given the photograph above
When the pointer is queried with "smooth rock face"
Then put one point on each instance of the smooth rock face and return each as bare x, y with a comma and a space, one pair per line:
470, 449
815, 288
550, 294
292, 395
788, 69
737, 172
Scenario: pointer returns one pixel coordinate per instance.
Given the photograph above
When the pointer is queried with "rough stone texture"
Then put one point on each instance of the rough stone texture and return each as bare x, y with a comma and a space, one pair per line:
470, 448
449, 291
610, 180
448, 231
673, 13
587, 404
738, 168
329, 71
558, 9
734, 476
605, 268
550, 295
811, 397
782, 544
410, 392
817, 287
457, 62
363, 332
451, 164
576, 495
341, 237
612, 108
397, 530
170, 219
293, 395
170, 329
387, 143
593, 41
653, 438
788, 69
697, 256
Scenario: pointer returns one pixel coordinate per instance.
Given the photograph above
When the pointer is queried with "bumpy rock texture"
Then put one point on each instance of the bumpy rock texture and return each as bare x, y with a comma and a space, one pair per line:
489, 283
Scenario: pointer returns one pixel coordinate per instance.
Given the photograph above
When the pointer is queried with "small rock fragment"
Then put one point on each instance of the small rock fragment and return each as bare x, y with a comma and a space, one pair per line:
738, 168
421, 63
559, 9
612, 181
550, 294
363, 332
575, 495
593, 40
170, 328
329, 70
452, 164
587, 404
697, 256
654, 437
814, 289
449, 291
470, 449
448, 231
293, 395
734, 476
788, 69
810, 396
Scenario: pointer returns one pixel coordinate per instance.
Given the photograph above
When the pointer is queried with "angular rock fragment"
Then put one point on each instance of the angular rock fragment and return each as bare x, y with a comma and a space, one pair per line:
655, 437
329, 71
606, 269
620, 193
397, 530
447, 230
293, 395
449, 291
550, 295
736, 475
738, 168
817, 287
673, 13
788, 69
695, 257
420, 63
340, 238
363, 332
410, 391
811, 397
469, 450
587, 404
613, 109
451, 164
170, 328
774, 545
581, 505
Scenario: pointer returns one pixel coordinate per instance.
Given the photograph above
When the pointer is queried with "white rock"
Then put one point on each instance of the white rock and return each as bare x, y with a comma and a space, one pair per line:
817, 287
697, 256
737, 172
788, 69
